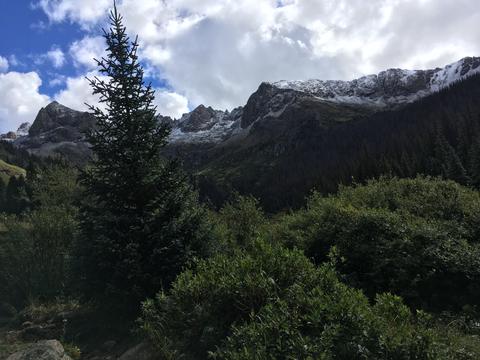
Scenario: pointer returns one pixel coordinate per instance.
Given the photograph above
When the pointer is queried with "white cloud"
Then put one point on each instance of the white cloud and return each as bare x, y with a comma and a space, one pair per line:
21, 99
56, 57
218, 51
85, 50
77, 92
3, 64
170, 103
85, 12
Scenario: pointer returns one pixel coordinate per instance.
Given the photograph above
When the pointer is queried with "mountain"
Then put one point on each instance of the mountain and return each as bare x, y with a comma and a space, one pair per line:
315, 144
14, 135
389, 88
293, 136
58, 131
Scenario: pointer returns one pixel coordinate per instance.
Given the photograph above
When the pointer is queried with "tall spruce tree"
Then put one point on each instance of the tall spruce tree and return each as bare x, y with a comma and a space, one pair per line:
140, 222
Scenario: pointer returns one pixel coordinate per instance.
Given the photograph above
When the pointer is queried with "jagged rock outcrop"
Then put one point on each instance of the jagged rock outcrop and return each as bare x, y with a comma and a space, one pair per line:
42, 350
388, 88
58, 131
23, 129
206, 125
61, 123
14, 135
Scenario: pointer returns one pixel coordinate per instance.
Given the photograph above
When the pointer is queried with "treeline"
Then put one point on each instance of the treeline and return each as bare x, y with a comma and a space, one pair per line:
16, 190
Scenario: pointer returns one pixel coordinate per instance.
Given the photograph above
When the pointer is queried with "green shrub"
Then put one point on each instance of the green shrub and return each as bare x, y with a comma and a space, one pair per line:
416, 238
272, 303
238, 224
35, 248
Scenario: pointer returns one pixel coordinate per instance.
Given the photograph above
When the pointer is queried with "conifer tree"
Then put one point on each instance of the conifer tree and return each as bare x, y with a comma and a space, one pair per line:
474, 162
141, 222
16, 199
3, 187
448, 162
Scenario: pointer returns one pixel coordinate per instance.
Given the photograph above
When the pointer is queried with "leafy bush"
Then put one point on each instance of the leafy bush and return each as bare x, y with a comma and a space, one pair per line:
415, 238
238, 224
35, 248
274, 303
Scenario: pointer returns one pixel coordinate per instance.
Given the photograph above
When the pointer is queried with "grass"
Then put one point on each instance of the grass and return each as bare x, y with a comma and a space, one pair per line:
8, 170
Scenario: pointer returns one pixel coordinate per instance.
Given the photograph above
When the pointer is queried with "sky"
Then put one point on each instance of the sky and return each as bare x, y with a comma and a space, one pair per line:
217, 52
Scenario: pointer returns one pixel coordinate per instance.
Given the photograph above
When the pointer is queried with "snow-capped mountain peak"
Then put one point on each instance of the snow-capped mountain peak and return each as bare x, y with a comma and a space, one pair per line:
390, 87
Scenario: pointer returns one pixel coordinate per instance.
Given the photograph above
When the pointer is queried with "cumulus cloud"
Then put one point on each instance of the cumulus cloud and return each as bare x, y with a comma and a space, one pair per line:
3, 64
21, 99
170, 103
84, 51
78, 93
218, 51
56, 57
85, 12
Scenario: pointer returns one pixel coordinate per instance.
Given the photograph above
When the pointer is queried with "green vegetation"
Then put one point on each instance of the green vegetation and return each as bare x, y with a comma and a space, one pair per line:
388, 269
274, 303
416, 238
140, 221
8, 170
35, 247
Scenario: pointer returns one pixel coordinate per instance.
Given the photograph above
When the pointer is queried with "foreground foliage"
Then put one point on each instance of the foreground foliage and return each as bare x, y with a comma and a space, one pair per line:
273, 303
35, 247
415, 238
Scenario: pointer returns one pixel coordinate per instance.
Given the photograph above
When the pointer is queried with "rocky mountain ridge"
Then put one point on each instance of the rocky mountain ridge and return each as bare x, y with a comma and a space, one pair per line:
274, 108
390, 87
57, 130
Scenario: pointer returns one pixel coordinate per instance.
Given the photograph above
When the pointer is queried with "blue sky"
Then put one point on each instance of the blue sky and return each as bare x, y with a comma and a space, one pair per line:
217, 52
31, 36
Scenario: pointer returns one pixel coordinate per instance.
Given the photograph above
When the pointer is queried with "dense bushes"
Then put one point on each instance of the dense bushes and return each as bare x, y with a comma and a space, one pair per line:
416, 238
238, 224
35, 247
273, 303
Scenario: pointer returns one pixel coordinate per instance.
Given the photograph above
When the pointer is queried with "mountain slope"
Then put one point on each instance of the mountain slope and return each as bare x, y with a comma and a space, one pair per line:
283, 158
58, 131
8, 170
292, 137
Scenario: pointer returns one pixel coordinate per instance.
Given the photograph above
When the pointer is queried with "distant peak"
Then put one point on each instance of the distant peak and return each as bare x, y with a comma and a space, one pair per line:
389, 87
54, 103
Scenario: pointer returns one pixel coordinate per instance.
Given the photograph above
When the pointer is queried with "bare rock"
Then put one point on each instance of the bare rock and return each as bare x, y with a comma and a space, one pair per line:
42, 350
143, 351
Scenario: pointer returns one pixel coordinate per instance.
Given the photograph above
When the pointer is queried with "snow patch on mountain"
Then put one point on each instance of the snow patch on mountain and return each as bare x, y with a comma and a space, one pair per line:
390, 87
11, 136
205, 125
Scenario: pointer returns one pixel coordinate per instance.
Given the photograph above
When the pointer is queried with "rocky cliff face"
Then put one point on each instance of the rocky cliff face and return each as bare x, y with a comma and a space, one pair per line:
58, 131
388, 88
14, 135
206, 125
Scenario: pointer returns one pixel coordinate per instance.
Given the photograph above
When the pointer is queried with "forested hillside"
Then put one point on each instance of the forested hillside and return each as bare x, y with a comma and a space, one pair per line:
282, 160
